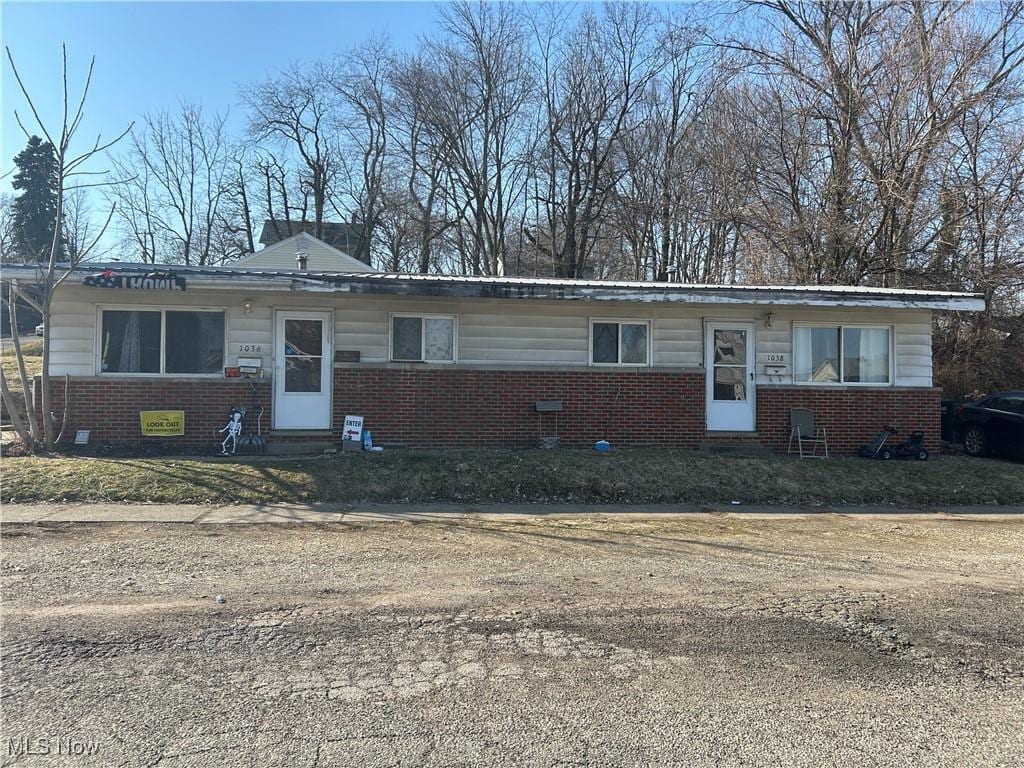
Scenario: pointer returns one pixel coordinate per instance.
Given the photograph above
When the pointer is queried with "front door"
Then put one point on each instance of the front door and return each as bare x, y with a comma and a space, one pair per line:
729, 366
302, 370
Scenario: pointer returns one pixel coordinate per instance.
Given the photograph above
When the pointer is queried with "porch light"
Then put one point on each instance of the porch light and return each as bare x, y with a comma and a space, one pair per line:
247, 306
769, 320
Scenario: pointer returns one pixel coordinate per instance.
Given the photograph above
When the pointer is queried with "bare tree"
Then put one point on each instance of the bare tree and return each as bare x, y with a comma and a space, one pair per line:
360, 80
590, 84
294, 112
41, 427
7, 240
872, 92
479, 88
177, 176
418, 154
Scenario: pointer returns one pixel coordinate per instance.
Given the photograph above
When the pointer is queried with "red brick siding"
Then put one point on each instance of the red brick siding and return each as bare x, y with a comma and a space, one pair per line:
456, 407
850, 416
109, 408
496, 408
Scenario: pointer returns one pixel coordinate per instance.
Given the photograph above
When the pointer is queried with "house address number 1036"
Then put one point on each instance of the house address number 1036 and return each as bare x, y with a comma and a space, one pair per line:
248, 349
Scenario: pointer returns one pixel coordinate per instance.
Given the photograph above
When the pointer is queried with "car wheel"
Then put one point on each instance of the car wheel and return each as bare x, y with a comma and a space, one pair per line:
886, 454
975, 441
922, 455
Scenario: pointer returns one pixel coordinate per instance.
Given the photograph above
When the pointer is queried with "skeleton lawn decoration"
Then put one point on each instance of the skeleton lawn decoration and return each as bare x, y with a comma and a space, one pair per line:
234, 429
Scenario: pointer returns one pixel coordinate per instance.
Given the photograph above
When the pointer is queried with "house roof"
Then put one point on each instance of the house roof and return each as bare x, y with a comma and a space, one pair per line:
460, 286
342, 235
320, 254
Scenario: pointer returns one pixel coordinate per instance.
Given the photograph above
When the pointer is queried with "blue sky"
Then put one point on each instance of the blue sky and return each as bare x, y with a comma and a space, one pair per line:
153, 55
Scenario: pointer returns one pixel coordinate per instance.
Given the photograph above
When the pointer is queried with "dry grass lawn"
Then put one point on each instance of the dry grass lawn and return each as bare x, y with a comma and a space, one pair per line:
506, 476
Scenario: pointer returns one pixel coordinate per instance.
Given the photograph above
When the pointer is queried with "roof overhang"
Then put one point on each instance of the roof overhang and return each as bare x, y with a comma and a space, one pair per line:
526, 288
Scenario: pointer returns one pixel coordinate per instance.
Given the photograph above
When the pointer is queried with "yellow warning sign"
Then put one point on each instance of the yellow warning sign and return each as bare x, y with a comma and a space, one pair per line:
162, 423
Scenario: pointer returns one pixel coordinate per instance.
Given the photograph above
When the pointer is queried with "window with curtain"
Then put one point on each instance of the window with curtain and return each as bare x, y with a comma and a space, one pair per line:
423, 339
613, 343
841, 355
162, 341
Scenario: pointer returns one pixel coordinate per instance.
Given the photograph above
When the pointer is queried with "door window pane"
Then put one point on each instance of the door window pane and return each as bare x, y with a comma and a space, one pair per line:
439, 338
130, 342
634, 343
406, 341
302, 374
730, 383
730, 347
866, 355
195, 342
606, 342
303, 337
816, 355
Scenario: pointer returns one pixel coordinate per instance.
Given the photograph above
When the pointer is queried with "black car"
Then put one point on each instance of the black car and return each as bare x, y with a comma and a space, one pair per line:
994, 424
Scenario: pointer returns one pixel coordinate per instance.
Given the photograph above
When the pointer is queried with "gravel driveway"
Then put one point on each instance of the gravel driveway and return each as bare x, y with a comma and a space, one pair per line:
723, 641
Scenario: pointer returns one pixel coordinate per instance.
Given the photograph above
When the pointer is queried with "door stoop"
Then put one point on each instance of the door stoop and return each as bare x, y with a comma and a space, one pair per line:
734, 443
300, 442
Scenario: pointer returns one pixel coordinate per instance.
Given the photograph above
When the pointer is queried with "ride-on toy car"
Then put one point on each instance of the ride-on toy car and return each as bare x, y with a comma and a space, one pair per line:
908, 449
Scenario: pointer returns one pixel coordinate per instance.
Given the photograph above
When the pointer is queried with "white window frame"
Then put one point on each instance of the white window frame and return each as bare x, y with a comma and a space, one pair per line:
423, 338
163, 310
842, 372
621, 321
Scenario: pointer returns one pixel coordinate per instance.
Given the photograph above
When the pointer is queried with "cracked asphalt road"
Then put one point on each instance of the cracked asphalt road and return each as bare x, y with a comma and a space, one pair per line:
816, 641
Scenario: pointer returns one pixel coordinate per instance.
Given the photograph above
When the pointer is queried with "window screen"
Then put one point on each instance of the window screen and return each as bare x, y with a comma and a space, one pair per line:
841, 354
423, 339
171, 341
606, 342
130, 342
618, 343
195, 342
866, 355
407, 340
816, 355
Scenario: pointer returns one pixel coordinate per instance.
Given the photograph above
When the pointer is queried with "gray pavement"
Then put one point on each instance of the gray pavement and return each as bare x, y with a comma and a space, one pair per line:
513, 639
325, 513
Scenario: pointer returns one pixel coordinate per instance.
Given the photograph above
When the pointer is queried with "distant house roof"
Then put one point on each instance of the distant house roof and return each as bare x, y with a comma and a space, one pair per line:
320, 256
344, 236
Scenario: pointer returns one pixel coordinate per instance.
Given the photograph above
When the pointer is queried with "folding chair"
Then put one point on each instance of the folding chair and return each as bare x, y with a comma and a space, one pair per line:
804, 432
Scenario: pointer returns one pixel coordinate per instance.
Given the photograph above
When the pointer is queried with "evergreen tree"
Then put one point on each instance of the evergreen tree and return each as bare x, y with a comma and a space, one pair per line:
35, 209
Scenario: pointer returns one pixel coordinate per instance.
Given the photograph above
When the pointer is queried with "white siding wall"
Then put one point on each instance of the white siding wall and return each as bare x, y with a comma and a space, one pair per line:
500, 333
321, 258
912, 338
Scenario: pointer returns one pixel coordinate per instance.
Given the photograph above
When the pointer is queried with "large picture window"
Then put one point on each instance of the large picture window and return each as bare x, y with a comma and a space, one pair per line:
841, 355
619, 343
161, 341
422, 339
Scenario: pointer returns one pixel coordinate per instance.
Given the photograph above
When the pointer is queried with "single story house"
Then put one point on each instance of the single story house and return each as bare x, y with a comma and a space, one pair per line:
433, 360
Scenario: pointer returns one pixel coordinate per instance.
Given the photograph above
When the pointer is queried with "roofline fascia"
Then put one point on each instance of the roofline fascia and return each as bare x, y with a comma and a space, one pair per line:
456, 290
376, 284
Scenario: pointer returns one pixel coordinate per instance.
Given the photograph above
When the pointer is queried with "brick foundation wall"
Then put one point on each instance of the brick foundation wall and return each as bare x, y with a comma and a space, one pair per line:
109, 408
851, 416
450, 407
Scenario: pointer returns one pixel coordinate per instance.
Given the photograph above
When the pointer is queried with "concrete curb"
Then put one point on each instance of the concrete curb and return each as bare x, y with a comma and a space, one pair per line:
254, 514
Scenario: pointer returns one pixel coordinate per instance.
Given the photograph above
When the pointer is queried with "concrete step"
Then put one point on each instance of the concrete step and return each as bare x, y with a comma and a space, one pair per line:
303, 448
735, 449
301, 433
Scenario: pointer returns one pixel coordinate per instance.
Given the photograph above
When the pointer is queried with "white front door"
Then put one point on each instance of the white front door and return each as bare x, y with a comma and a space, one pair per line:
729, 366
302, 370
